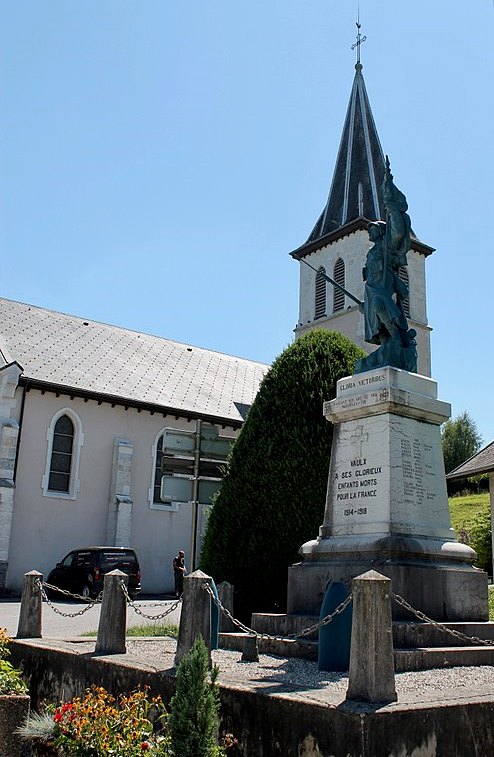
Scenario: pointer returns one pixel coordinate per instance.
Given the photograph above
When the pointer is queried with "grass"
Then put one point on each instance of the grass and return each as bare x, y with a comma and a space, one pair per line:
154, 629
491, 602
464, 509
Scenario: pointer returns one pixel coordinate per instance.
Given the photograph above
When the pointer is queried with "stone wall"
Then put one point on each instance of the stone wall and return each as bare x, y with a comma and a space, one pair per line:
268, 724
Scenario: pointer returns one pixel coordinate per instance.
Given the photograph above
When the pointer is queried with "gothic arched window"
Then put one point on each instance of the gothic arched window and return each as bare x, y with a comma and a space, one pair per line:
61, 455
339, 277
320, 298
65, 439
157, 470
403, 274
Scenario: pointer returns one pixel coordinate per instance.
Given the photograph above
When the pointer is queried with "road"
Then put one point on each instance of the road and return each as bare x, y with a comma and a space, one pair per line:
55, 626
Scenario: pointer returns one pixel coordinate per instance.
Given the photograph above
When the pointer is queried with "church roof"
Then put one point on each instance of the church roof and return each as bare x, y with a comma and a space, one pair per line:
75, 355
481, 462
355, 196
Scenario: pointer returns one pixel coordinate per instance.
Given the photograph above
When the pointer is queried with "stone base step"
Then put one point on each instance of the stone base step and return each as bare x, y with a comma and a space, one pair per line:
305, 650
442, 657
406, 634
412, 635
281, 624
424, 658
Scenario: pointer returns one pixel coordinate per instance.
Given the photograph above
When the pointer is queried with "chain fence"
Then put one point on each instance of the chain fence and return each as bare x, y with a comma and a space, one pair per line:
425, 619
44, 588
289, 637
137, 609
91, 602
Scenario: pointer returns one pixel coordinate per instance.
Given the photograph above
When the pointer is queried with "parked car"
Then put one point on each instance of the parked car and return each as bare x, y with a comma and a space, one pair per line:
82, 571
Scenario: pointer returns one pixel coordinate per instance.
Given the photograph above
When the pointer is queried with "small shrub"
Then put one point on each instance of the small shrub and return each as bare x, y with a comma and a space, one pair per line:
11, 681
194, 707
480, 539
97, 726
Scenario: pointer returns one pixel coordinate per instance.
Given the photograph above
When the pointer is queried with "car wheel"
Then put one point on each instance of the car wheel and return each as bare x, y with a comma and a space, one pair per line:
86, 592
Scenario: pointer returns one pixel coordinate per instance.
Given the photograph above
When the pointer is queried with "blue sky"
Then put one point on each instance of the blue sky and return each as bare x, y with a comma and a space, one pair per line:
160, 159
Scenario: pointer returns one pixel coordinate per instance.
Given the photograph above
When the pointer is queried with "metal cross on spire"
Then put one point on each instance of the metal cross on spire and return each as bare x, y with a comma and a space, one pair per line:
360, 39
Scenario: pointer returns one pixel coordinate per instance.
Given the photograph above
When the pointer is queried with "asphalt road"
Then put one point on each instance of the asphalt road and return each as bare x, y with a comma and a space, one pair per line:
55, 626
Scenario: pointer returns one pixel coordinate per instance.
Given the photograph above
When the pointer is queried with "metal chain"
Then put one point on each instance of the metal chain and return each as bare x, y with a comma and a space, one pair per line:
305, 632
421, 616
138, 610
91, 603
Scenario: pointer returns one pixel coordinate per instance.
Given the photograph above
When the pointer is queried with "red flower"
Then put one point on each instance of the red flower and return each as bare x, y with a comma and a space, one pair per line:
58, 717
145, 746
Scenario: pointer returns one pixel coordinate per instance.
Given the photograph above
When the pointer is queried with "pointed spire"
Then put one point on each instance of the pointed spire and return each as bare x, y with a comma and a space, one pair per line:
356, 187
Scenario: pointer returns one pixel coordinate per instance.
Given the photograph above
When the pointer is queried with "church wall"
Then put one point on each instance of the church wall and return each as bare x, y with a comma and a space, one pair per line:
45, 528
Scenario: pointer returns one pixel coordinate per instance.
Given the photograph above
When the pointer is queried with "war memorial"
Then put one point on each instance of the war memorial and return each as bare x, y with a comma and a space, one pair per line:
386, 532
387, 505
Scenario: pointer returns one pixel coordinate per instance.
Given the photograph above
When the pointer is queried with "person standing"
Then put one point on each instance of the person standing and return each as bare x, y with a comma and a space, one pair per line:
179, 571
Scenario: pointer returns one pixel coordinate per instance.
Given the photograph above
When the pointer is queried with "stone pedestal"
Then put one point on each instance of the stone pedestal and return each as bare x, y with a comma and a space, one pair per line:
387, 505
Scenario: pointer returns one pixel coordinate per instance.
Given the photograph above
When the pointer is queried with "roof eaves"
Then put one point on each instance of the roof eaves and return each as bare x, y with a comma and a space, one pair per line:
358, 224
100, 397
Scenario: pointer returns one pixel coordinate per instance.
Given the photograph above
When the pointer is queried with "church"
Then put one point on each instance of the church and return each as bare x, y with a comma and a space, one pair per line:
109, 436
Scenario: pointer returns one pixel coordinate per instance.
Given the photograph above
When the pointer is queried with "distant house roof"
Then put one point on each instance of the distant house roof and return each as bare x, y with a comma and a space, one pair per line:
481, 462
72, 354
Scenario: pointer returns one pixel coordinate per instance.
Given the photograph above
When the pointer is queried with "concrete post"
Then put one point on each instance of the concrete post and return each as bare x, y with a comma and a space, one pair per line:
31, 603
195, 617
371, 675
113, 616
225, 593
250, 649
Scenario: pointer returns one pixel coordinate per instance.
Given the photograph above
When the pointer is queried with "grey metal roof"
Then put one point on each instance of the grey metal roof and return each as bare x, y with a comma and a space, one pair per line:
109, 361
481, 462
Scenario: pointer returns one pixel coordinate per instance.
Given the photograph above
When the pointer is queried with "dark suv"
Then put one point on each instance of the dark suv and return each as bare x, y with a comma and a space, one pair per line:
82, 571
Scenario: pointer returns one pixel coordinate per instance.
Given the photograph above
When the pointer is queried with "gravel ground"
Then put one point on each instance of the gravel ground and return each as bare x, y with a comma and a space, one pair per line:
282, 675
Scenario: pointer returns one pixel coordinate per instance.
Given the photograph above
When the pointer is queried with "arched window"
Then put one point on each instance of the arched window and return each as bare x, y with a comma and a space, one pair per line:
403, 274
65, 440
157, 471
339, 277
320, 299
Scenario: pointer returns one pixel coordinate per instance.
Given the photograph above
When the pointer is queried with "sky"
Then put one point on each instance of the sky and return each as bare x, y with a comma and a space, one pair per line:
159, 159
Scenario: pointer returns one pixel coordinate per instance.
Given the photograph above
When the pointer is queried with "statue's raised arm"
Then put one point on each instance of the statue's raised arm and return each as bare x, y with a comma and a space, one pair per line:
385, 321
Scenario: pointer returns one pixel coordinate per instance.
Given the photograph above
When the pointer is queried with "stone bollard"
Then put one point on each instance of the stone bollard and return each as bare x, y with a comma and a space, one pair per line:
113, 616
31, 603
371, 675
195, 617
225, 593
250, 649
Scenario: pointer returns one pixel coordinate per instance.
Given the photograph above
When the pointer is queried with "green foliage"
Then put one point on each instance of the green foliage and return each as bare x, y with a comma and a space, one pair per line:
194, 707
480, 539
491, 602
272, 496
460, 439
464, 510
11, 681
470, 517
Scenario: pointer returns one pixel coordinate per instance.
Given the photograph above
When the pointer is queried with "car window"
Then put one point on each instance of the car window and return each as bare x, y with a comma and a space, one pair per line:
112, 560
67, 561
82, 559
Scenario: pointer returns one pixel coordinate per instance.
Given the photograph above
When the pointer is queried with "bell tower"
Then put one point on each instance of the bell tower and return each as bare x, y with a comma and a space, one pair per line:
338, 244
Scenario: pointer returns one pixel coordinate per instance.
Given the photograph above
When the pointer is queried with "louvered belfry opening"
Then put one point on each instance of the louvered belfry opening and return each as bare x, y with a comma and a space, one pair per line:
320, 300
403, 274
339, 277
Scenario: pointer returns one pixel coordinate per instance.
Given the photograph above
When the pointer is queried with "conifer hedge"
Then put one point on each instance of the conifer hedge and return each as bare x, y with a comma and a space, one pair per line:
273, 493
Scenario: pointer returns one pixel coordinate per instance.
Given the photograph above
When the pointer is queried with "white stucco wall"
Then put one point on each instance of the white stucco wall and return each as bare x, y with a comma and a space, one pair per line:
45, 528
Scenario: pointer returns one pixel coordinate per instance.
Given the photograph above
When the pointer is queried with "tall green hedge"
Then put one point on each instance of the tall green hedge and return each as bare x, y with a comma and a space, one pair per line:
273, 494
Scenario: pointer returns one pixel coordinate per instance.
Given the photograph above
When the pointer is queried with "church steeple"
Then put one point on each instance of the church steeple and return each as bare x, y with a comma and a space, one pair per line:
338, 244
356, 187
